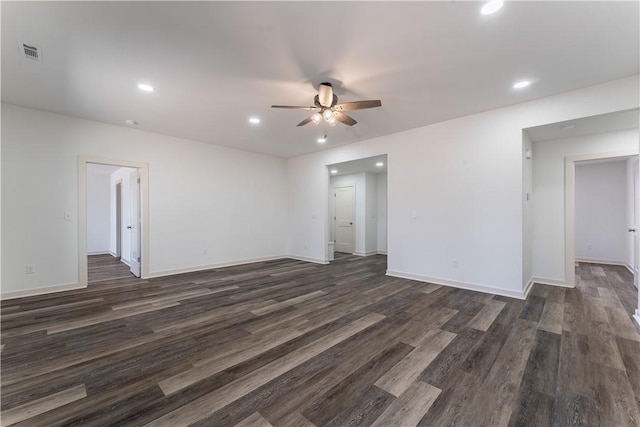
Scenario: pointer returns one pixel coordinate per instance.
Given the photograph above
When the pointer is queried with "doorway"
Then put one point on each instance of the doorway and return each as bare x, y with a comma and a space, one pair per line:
113, 220
573, 253
358, 207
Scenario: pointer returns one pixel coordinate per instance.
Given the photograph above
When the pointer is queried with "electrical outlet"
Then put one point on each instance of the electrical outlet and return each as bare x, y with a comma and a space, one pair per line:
454, 263
31, 269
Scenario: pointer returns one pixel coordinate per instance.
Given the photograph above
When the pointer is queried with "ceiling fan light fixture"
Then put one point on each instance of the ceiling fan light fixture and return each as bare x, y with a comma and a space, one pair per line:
316, 118
327, 115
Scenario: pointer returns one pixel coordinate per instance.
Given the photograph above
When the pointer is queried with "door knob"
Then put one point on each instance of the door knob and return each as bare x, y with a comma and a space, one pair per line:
129, 227
631, 230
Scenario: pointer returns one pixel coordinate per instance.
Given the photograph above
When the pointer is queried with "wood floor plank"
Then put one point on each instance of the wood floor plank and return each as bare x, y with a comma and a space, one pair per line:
207, 367
409, 408
552, 317
255, 420
42, 405
487, 315
615, 399
405, 373
206, 405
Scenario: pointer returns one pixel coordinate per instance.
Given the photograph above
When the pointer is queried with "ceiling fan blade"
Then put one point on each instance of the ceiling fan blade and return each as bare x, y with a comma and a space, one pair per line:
294, 107
358, 105
325, 94
305, 121
343, 118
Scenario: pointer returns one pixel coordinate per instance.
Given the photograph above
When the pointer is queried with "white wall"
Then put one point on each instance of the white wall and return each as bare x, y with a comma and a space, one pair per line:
601, 211
382, 213
548, 190
462, 178
527, 209
98, 222
371, 212
201, 196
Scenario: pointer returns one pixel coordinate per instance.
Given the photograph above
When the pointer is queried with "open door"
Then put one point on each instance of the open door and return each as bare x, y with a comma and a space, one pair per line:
135, 225
636, 223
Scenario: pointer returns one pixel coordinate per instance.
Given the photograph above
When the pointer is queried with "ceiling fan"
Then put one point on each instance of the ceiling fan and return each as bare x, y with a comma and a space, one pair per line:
327, 108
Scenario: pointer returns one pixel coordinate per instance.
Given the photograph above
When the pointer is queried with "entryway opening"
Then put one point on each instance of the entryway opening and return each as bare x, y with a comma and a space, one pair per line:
113, 240
112, 220
358, 208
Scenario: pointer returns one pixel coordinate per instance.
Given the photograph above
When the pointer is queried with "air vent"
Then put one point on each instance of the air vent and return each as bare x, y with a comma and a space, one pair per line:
30, 51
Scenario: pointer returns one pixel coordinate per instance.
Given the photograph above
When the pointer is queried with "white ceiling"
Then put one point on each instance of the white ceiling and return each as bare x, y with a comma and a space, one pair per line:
586, 126
214, 64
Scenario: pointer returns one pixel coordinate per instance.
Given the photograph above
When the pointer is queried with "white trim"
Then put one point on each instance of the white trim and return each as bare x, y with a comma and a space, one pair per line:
636, 317
527, 287
307, 259
40, 291
100, 253
602, 261
366, 253
143, 168
461, 285
569, 207
113, 254
192, 269
551, 282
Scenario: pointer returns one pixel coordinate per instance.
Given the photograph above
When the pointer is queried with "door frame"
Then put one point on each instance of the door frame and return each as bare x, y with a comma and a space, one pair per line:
570, 208
355, 215
82, 213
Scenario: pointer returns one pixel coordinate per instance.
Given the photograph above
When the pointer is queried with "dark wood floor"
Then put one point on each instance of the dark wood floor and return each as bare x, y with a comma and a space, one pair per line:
106, 267
288, 343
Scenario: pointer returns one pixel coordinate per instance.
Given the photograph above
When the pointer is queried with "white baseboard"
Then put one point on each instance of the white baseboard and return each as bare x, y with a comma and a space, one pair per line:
99, 253
628, 267
40, 291
163, 273
636, 317
125, 261
381, 252
307, 259
527, 287
461, 285
602, 261
366, 253
550, 282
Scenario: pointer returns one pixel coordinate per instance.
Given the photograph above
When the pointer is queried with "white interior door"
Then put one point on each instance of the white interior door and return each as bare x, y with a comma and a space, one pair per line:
134, 226
636, 223
344, 219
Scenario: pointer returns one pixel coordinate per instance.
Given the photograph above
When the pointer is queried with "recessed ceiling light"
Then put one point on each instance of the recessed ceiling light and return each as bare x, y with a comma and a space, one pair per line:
565, 127
491, 7
322, 140
379, 164
145, 87
334, 171
131, 122
522, 84
254, 120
